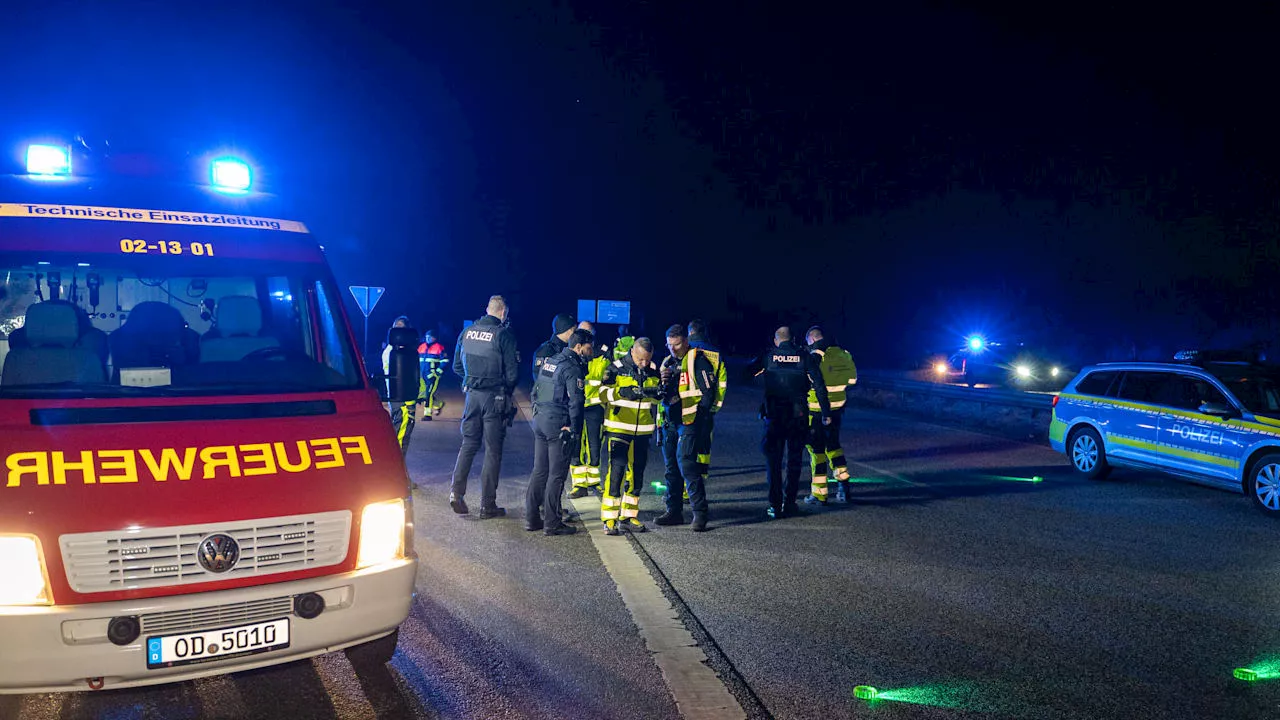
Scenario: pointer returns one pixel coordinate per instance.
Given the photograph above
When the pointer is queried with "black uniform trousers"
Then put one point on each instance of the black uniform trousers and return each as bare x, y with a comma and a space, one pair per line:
785, 430
550, 469
681, 445
482, 421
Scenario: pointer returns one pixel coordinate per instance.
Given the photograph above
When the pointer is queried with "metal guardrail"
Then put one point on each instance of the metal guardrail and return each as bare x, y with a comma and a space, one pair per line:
984, 396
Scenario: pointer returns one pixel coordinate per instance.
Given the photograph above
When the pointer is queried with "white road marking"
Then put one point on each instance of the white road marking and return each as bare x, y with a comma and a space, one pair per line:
697, 690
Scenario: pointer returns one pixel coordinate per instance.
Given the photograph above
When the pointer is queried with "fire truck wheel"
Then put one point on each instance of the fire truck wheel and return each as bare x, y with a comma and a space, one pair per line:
375, 653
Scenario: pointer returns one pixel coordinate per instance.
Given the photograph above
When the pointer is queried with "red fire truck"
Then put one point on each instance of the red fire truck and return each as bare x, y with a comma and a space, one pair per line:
198, 477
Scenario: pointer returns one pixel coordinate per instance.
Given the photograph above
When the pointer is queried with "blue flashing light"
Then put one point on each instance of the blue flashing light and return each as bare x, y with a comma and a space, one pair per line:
976, 343
231, 175
48, 160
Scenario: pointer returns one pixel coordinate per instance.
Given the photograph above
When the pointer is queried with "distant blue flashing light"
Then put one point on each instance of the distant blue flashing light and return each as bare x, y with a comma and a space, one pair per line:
49, 160
976, 343
231, 175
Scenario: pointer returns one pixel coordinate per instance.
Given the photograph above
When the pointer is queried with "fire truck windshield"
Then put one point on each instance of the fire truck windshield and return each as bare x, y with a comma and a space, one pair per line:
147, 322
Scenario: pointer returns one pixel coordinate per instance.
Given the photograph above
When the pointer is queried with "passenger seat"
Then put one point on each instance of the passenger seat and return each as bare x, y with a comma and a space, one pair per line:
235, 333
50, 353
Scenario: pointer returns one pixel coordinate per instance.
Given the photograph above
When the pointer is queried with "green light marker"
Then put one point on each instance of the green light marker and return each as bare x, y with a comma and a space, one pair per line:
1245, 674
1037, 478
865, 692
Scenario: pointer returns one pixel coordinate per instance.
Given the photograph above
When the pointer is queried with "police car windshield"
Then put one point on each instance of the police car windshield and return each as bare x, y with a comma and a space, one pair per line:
103, 326
1258, 389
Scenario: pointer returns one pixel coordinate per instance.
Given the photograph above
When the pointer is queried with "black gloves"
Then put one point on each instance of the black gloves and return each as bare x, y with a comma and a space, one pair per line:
630, 392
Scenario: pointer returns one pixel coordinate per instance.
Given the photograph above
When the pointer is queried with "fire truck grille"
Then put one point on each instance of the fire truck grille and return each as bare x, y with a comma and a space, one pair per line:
164, 557
205, 618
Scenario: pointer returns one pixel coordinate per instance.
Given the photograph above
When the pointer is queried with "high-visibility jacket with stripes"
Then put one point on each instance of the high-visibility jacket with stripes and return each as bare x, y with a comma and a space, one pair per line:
697, 383
629, 416
838, 373
595, 377
623, 347
713, 356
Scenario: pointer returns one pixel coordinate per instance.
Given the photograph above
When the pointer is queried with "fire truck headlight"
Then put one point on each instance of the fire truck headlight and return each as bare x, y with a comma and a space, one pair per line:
382, 529
22, 567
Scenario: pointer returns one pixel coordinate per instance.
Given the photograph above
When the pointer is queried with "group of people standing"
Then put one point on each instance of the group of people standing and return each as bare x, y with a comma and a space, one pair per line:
605, 439
596, 412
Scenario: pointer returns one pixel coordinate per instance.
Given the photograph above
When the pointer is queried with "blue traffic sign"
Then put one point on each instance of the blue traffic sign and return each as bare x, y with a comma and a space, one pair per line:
586, 310
617, 312
367, 297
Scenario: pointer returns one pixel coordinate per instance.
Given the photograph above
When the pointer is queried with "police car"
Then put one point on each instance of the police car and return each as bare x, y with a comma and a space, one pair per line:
1213, 420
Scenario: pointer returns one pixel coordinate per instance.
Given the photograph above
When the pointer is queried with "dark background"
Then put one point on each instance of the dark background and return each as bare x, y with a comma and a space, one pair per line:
1098, 180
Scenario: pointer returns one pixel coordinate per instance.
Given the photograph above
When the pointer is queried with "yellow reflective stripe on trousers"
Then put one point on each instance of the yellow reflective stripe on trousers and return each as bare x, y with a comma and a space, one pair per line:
629, 428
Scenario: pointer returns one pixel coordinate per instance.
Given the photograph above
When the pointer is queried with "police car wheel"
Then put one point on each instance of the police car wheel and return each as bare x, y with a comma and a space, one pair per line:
1087, 455
375, 653
1263, 484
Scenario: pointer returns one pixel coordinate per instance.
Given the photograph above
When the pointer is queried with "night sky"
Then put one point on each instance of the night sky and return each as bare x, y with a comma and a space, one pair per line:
1093, 181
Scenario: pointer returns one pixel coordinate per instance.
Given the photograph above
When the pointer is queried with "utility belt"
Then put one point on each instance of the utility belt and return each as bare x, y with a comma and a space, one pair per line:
479, 383
782, 409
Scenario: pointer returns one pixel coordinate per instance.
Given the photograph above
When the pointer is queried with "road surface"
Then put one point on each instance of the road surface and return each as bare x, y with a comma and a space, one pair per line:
954, 583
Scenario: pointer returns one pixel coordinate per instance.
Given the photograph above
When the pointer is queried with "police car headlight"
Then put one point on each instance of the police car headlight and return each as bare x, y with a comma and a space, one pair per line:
1054, 372
22, 567
382, 530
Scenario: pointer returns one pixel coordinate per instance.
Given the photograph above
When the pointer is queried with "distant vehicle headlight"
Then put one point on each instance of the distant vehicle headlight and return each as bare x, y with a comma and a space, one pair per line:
1023, 371
1054, 372
941, 368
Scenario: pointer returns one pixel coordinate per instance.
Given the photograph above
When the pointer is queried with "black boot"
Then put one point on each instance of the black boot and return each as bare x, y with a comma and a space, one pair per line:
670, 517
458, 504
699, 522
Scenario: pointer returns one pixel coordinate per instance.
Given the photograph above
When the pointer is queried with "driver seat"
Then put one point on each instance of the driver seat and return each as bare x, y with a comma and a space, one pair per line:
51, 353
235, 333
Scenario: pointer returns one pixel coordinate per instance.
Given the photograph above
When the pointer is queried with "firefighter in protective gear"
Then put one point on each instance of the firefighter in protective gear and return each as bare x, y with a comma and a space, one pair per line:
623, 346
789, 374
630, 390
698, 340
688, 393
585, 470
826, 455
557, 426
487, 364
403, 414
432, 353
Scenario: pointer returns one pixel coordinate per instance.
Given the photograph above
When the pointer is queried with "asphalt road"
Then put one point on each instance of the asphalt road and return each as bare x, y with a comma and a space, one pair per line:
951, 583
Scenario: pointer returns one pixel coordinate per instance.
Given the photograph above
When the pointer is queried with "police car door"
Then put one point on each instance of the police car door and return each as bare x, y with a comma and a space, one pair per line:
1193, 442
1133, 421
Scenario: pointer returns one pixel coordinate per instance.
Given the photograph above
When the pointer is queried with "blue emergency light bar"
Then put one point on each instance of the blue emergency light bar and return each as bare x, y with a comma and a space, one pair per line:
976, 342
48, 160
227, 174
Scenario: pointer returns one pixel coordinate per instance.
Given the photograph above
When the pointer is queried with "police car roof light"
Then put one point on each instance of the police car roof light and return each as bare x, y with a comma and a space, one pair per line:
975, 342
48, 160
231, 175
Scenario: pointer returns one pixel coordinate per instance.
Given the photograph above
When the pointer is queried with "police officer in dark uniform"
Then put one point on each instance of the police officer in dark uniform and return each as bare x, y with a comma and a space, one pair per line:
789, 373
562, 326
557, 432
486, 361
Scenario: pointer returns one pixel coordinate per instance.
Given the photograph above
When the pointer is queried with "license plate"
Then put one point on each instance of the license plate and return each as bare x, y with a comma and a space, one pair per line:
209, 645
